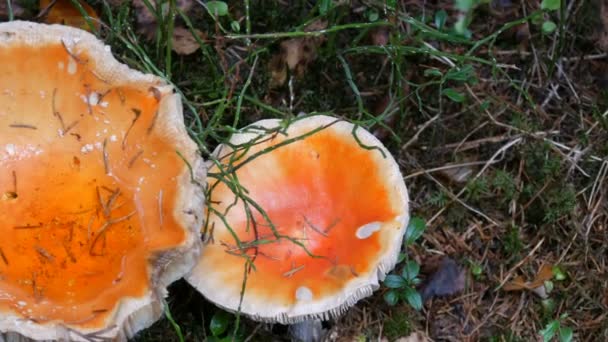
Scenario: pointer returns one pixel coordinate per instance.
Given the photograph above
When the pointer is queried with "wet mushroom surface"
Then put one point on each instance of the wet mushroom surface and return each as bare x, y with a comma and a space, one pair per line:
88, 186
319, 216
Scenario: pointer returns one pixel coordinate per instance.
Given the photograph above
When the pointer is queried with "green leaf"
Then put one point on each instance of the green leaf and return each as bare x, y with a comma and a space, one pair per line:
549, 331
394, 281
235, 26
391, 297
548, 306
440, 19
551, 5
548, 286
220, 322
461, 27
413, 298
549, 27
218, 8
391, 5
463, 74
373, 15
476, 269
464, 5
565, 334
558, 273
414, 230
401, 258
324, 6
411, 270
432, 72
453, 95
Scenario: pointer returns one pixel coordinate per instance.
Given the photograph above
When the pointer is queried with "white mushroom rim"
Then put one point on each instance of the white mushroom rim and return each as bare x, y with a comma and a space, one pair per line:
337, 194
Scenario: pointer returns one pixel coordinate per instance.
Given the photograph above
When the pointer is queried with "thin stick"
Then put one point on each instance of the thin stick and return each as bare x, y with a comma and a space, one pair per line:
137, 113
106, 158
134, 159
160, 207
56, 113
105, 227
3, 256
293, 271
313, 227
43, 252
18, 125
28, 226
151, 127
14, 182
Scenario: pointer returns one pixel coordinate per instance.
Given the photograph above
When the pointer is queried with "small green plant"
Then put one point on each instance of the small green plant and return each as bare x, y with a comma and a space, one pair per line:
512, 242
439, 199
548, 26
403, 286
476, 269
556, 328
476, 189
504, 184
222, 328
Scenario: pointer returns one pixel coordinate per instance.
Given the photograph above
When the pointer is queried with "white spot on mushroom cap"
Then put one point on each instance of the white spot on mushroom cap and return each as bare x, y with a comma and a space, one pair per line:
10, 149
303, 293
93, 99
368, 229
60, 65
72, 67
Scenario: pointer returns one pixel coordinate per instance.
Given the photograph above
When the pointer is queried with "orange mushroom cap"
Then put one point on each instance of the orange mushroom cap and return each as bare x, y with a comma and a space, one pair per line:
328, 208
98, 213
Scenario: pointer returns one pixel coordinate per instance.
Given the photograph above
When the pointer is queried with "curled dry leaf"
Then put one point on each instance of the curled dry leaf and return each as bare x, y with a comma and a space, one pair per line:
65, 13
537, 285
296, 55
447, 280
184, 42
458, 174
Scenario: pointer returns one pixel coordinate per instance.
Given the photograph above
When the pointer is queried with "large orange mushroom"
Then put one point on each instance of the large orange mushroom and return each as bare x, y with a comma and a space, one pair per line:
100, 207
309, 217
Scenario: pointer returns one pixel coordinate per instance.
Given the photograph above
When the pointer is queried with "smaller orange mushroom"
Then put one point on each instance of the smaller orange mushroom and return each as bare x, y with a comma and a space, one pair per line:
309, 217
98, 213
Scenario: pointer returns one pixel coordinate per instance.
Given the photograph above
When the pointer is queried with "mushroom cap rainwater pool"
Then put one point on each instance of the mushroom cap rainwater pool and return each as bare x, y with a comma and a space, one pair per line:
328, 209
98, 212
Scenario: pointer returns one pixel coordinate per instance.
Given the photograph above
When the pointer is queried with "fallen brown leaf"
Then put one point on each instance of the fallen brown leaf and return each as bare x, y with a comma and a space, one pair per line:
536, 285
146, 19
296, 55
65, 13
184, 42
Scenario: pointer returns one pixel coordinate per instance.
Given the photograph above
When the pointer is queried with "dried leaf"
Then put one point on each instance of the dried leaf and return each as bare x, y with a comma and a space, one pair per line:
517, 284
65, 13
184, 43
414, 337
296, 55
458, 174
537, 285
447, 280
146, 19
